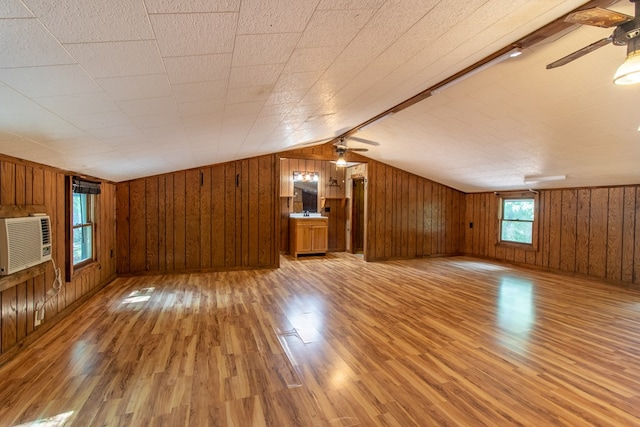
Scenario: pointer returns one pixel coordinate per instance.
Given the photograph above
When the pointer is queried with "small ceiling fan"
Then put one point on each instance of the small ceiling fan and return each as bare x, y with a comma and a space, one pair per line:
340, 140
626, 33
342, 149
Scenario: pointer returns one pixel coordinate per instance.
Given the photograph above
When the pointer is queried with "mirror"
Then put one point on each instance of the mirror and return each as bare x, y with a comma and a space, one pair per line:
305, 196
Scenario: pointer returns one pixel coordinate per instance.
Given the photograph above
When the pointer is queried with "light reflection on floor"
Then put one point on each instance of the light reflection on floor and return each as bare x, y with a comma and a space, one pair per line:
142, 295
478, 266
55, 421
307, 317
516, 312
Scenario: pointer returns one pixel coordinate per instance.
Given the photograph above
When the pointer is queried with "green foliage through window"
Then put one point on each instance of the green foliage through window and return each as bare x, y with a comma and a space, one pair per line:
82, 227
517, 220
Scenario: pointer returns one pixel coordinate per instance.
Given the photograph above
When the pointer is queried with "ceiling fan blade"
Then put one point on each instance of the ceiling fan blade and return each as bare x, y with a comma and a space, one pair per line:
577, 54
362, 150
365, 141
598, 17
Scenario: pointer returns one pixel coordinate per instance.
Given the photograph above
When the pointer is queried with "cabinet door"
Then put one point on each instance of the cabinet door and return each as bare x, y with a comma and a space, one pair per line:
303, 238
320, 238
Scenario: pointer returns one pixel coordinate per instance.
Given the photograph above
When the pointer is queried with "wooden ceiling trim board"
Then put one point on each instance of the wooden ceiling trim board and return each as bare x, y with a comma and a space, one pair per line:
530, 40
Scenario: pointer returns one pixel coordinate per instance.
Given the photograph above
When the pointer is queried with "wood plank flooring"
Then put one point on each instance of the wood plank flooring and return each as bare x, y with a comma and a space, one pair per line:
336, 341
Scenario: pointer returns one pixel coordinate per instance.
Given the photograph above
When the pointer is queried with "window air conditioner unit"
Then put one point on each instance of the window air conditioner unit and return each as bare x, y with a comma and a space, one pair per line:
24, 242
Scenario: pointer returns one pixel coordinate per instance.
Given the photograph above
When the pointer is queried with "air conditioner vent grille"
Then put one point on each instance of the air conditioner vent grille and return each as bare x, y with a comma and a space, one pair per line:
46, 233
25, 248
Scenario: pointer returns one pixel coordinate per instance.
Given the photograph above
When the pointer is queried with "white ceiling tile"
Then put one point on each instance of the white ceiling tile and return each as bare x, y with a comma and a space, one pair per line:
364, 82
13, 9
87, 103
188, 69
126, 142
203, 128
203, 120
297, 81
33, 152
350, 4
49, 80
170, 134
155, 120
274, 16
118, 59
79, 146
280, 110
334, 27
265, 125
125, 130
17, 145
198, 108
136, 87
191, 6
286, 98
197, 91
92, 122
194, 33
257, 49
404, 14
245, 109
38, 125
257, 75
312, 59
12, 102
248, 94
7, 136
26, 43
206, 154
76, 21
508, 118
148, 106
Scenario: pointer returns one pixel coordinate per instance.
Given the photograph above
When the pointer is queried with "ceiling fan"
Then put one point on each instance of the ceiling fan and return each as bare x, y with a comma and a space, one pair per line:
342, 149
626, 33
339, 140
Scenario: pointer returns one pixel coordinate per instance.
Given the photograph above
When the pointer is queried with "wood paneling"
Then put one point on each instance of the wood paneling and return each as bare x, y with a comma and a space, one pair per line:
405, 224
593, 231
29, 187
216, 217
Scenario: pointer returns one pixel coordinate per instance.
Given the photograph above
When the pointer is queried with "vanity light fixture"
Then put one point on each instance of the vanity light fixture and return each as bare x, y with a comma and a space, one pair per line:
305, 176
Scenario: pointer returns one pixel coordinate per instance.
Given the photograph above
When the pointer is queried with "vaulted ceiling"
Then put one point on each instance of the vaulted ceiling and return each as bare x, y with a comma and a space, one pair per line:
121, 89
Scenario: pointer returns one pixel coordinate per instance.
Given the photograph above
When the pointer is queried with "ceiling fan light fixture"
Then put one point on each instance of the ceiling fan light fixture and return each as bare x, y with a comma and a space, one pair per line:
341, 162
629, 72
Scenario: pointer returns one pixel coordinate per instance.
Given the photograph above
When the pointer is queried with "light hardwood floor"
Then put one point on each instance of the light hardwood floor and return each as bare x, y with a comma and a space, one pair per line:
338, 342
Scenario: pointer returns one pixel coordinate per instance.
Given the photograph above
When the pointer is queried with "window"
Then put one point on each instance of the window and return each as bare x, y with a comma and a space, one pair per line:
517, 220
82, 211
83, 228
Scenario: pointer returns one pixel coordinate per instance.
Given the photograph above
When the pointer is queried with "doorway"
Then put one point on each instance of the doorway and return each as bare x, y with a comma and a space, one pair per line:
357, 216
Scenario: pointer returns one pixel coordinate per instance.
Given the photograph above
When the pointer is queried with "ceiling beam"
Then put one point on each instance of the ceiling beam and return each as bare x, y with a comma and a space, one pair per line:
527, 41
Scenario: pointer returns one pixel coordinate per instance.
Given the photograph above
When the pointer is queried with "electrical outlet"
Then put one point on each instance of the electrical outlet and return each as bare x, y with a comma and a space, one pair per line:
38, 319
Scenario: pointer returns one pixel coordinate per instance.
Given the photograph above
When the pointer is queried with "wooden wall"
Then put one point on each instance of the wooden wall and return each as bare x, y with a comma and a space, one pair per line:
23, 185
592, 231
409, 216
220, 217
334, 199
